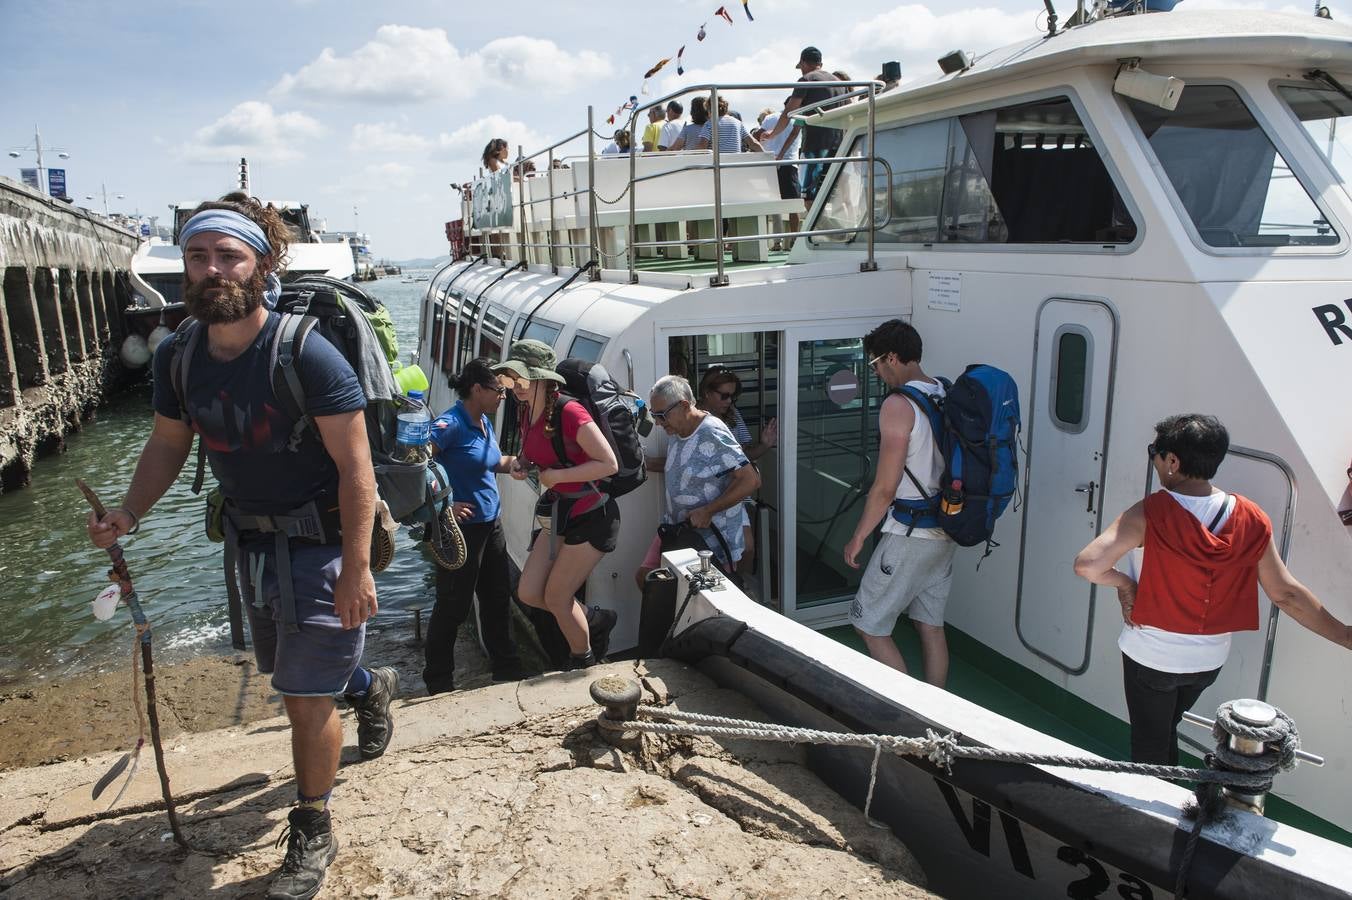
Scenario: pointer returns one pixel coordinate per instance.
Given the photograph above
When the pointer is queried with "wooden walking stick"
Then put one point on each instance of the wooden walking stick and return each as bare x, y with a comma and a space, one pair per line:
122, 577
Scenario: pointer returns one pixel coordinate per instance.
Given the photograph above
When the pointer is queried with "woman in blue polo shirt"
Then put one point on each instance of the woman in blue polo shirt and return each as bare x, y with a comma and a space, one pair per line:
468, 449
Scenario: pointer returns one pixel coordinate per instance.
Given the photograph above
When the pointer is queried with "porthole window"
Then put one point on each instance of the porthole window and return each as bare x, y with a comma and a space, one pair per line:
1072, 357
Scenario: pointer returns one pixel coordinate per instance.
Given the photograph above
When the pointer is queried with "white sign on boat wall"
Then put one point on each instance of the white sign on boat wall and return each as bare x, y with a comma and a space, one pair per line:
945, 291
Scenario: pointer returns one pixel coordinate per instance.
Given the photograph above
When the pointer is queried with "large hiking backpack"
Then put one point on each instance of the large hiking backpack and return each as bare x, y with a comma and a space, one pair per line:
976, 430
619, 414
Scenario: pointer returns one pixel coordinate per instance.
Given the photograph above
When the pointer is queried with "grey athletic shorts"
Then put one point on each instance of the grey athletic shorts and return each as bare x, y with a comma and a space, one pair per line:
318, 660
904, 575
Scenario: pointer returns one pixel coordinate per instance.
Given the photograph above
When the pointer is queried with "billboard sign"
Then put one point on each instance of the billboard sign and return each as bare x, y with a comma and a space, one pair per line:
30, 178
492, 200
56, 182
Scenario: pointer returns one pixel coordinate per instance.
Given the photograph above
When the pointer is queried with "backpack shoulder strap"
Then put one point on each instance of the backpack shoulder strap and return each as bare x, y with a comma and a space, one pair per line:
186, 338
287, 343
926, 404
560, 449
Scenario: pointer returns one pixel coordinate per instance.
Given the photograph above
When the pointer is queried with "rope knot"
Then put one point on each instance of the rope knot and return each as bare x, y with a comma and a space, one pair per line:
942, 748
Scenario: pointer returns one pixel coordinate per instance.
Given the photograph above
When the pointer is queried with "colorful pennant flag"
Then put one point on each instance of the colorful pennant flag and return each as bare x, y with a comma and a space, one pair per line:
657, 68
702, 33
746, 8
680, 70
722, 13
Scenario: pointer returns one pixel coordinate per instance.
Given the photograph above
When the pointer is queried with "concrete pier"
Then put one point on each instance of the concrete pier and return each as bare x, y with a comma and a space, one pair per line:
65, 285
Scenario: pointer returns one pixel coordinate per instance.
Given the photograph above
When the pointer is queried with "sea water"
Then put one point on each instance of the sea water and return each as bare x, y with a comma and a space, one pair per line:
49, 572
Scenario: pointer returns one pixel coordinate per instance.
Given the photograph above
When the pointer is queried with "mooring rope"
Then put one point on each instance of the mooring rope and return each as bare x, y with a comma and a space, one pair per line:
1224, 768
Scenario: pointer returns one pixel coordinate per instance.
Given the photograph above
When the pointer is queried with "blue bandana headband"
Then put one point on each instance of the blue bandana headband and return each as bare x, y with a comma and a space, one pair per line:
227, 222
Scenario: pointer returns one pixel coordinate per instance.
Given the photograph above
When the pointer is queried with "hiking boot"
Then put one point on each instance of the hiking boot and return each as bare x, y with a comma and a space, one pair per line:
310, 847
375, 722
509, 669
600, 622
585, 661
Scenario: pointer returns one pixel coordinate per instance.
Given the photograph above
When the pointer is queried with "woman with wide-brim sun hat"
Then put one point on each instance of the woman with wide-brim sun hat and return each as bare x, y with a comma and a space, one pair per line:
577, 523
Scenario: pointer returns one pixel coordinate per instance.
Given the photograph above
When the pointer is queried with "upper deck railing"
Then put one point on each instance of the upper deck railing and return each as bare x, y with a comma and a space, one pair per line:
867, 90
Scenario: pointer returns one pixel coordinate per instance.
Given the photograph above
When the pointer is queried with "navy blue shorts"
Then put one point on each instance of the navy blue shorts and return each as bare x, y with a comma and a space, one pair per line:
318, 660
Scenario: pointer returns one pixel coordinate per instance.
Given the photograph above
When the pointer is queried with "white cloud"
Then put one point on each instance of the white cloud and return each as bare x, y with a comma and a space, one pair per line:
405, 64
385, 137
465, 145
377, 178
255, 130
919, 36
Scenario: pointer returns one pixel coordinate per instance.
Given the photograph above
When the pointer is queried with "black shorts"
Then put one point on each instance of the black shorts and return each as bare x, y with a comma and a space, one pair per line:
788, 183
599, 527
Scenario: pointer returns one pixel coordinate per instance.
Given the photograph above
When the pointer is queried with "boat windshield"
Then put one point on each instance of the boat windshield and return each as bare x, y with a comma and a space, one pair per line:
1234, 185
1327, 117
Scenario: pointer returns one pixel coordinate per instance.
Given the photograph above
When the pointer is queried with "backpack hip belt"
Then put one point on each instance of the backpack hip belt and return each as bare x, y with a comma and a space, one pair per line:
309, 523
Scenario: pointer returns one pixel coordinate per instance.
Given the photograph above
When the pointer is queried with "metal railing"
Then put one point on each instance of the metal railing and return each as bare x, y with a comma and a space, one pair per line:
865, 89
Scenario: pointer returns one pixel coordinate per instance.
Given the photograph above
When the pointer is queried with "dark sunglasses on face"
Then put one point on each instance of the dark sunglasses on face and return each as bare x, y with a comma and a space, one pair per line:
499, 389
1154, 451
661, 414
725, 395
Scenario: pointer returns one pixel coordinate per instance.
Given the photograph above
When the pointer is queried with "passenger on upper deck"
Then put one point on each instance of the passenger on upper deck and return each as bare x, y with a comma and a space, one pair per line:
911, 569
577, 523
784, 146
619, 145
652, 135
699, 114
1206, 553
818, 142
732, 134
672, 127
495, 155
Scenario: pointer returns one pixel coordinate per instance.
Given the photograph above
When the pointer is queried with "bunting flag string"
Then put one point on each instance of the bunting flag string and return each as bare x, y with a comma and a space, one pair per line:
700, 35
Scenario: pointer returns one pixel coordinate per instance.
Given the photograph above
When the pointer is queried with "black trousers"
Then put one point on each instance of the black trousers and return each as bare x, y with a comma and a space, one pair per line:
486, 574
1156, 702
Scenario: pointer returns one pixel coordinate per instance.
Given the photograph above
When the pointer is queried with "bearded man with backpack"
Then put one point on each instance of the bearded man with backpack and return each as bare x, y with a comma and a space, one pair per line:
300, 503
911, 569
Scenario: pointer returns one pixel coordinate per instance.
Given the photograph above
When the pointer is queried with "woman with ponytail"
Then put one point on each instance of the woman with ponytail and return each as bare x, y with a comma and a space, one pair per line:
468, 449
577, 524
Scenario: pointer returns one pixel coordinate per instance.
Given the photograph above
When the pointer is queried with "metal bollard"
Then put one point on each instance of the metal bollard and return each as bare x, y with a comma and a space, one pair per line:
706, 561
619, 697
1259, 715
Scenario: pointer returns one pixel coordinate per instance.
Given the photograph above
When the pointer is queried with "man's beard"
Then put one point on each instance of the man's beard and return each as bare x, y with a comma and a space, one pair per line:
231, 301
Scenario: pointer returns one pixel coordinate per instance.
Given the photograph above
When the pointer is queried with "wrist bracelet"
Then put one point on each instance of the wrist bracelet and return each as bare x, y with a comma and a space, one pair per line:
135, 520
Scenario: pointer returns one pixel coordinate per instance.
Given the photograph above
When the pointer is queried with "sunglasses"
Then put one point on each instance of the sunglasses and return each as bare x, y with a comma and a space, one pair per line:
877, 359
661, 414
499, 389
1154, 451
725, 395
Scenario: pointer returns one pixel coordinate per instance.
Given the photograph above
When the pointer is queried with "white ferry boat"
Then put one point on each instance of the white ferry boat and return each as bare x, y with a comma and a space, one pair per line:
1126, 254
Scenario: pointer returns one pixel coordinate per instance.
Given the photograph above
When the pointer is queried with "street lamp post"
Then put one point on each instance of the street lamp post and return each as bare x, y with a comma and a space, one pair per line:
36, 148
105, 198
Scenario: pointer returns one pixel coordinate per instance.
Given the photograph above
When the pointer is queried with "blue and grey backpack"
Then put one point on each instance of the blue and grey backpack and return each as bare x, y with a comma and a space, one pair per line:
976, 429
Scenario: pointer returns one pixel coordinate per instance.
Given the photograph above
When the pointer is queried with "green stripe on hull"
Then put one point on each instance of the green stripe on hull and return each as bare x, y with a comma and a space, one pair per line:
995, 682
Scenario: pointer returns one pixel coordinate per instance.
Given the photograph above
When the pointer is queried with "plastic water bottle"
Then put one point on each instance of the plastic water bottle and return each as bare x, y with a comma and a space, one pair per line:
414, 430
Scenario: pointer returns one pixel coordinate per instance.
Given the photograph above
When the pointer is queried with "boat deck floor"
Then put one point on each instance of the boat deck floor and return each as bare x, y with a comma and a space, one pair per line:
990, 680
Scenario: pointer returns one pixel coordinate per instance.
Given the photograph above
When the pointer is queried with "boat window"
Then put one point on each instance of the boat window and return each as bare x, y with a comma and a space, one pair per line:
1235, 186
492, 332
538, 330
1025, 174
588, 348
1327, 117
1072, 354
448, 315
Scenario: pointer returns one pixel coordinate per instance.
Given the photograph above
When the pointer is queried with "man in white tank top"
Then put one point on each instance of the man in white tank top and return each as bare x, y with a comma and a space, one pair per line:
911, 569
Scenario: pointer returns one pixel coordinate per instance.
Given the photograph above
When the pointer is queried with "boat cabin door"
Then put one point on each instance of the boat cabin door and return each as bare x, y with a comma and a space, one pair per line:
1066, 425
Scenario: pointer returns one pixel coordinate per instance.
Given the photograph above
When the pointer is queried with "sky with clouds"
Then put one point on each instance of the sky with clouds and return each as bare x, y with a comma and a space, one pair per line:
378, 107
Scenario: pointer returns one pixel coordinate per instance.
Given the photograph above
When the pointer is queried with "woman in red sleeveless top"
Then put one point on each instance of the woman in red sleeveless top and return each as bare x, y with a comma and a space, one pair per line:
577, 523
1206, 553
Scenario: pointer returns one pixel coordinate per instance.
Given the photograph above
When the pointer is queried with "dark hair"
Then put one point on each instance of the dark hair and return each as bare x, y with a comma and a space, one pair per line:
894, 336
492, 148
699, 110
1200, 443
477, 371
712, 379
265, 217
676, 107
842, 75
722, 106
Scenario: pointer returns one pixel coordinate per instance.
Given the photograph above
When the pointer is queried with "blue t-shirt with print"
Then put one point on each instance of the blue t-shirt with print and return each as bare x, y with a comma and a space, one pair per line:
243, 426
469, 456
698, 470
